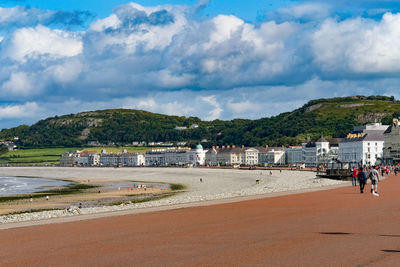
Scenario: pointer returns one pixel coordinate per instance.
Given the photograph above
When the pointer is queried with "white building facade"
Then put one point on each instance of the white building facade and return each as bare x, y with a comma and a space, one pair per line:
294, 155
364, 145
314, 152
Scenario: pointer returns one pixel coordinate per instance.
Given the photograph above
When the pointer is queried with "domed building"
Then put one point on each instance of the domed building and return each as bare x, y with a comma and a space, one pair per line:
197, 156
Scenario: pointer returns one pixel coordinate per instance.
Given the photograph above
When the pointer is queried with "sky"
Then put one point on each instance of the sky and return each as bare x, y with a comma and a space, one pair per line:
206, 58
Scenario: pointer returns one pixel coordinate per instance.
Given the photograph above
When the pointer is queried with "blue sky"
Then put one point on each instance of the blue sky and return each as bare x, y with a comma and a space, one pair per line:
248, 10
210, 59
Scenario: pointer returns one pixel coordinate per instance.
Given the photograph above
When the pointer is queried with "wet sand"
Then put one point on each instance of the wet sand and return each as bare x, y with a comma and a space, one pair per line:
65, 201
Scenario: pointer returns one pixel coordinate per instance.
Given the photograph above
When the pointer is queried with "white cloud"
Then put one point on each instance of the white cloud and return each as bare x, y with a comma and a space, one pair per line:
224, 28
147, 104
306, 11
163, 59
136, 26
19, 84
243, 107
215, 113
66, 72
359, 45
31, 43
111, 22
28, 109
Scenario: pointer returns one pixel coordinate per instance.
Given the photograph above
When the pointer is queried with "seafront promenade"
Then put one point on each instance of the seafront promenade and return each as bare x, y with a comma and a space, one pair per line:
338, 227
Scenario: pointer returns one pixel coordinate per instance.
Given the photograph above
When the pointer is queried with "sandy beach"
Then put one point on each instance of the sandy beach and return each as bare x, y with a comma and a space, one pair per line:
216, 184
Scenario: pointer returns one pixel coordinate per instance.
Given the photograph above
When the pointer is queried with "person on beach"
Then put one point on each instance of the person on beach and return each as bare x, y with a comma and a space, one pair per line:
362, 179
354, 177
374, 176
47, 197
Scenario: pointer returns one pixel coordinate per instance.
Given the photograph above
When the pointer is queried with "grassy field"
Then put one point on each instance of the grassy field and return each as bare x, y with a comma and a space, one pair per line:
51, 156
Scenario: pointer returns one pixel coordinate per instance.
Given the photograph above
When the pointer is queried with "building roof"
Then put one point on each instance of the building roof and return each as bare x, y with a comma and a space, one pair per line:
322, 139
369, 136
229, 149
389, 129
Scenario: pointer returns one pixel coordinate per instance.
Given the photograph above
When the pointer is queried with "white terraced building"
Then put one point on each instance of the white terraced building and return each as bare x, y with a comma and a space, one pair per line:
271, 155
232, 155
187, 156
364, 145
80, 158
314, 152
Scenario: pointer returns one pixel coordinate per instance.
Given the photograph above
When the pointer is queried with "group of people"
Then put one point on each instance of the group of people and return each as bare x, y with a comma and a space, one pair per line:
362, 175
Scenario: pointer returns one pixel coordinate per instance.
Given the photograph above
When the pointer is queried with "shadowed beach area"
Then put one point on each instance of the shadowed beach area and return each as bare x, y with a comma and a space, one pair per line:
338, 227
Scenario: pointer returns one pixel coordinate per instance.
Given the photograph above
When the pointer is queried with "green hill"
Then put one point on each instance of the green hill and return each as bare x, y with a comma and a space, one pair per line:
331, 118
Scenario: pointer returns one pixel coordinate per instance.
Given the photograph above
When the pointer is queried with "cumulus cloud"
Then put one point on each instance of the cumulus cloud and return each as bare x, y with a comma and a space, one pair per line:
18, 111
21, 16
66, 72
32, 43
216, 110
19, 84
305, 12
164, 59
358, 45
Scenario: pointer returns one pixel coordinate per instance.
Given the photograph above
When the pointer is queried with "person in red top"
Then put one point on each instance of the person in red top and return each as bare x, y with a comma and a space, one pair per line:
354, 177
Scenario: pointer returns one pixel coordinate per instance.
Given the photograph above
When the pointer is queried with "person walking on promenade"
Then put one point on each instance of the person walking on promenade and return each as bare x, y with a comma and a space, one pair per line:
362, 179
374, 176
354, 177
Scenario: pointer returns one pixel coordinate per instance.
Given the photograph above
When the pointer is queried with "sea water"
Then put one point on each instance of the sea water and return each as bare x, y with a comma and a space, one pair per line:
26, 185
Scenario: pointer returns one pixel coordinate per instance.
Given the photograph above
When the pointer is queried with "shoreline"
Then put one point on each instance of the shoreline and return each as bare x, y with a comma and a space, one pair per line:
131, 211
218, 187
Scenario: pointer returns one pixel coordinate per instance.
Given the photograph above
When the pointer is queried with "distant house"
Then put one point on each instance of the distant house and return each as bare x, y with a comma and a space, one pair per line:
194, 126
181, 143
93, 143
180, 128
10, 145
